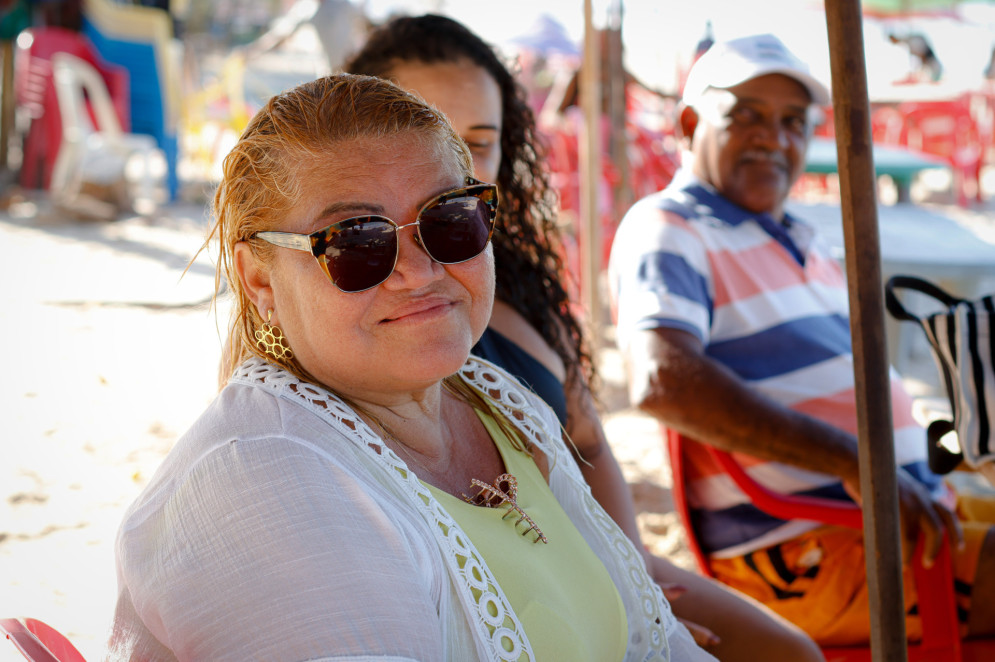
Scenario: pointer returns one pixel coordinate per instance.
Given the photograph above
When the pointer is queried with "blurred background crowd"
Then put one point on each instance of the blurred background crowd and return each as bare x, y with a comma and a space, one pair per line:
190, 73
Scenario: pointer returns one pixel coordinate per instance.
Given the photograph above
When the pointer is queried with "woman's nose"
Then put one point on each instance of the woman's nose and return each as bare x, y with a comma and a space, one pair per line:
415, 268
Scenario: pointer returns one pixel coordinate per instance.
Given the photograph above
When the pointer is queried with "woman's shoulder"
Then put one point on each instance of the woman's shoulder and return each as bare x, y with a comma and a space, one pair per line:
247, 437
251, 502
526, 410
244, 412
512, 325
503, 388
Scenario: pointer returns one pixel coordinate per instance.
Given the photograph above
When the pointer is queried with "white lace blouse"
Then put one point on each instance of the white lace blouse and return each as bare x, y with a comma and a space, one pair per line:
281, 528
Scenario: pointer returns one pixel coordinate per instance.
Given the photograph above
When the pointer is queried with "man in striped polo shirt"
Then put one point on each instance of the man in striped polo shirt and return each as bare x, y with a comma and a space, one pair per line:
734, 320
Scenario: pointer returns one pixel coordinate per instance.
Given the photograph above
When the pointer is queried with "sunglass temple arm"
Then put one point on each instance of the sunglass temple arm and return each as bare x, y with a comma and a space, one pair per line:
300, 242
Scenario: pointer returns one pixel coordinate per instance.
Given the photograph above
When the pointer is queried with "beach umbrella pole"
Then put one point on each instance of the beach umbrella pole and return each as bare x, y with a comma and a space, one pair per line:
590, 173
878, 482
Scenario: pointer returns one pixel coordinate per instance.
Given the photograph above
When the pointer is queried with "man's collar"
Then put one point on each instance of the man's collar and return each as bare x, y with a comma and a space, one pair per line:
726, 211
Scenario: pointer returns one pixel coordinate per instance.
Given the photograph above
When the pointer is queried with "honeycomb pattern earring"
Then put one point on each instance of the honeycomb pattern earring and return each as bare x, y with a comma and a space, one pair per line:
271, 341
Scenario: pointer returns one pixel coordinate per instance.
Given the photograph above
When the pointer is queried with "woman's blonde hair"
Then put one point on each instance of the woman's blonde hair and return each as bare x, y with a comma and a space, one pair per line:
262, 175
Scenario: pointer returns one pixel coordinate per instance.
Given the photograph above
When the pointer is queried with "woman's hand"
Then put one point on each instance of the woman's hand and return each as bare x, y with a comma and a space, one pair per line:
702, 635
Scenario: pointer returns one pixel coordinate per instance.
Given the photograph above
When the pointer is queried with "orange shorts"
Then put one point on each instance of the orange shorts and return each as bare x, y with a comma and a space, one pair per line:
818, 582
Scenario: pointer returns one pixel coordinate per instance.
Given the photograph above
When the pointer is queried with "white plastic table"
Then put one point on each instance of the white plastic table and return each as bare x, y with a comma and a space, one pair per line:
919, 241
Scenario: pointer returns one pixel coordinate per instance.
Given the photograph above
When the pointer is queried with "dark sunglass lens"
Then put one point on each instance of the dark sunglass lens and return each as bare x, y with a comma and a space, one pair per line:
361, 256
456, 230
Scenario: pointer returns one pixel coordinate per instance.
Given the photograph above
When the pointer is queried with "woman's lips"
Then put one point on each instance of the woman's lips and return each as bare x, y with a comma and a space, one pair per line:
419, 311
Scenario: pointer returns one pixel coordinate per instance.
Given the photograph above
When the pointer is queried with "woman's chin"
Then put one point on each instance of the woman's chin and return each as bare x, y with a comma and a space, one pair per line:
427, 365
441, 363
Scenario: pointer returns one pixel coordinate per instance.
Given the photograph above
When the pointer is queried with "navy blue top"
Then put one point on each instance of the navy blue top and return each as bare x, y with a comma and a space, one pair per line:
531, 373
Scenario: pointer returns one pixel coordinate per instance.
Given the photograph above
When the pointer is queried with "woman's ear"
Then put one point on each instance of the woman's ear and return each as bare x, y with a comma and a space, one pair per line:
255, 278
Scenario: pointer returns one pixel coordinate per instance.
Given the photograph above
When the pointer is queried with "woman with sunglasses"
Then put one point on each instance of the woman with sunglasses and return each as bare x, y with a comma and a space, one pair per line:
361, 489
532, 332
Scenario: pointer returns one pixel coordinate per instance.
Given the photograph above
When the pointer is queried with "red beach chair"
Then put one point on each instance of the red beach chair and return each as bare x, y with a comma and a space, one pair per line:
38, 641
948, 130
941, 640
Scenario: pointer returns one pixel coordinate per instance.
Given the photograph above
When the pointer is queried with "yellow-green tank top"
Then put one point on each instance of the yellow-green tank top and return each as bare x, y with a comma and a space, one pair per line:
560, 590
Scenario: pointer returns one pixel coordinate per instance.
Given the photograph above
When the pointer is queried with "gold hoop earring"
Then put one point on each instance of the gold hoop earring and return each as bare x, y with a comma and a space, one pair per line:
270, 340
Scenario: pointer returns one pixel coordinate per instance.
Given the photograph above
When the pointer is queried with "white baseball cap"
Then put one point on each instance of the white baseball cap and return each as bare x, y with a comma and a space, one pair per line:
730, 63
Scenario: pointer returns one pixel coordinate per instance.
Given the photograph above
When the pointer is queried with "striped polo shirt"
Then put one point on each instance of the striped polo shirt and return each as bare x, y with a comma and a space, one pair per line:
768, 301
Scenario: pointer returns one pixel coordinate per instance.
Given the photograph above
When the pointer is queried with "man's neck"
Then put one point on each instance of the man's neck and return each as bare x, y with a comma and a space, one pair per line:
686, 176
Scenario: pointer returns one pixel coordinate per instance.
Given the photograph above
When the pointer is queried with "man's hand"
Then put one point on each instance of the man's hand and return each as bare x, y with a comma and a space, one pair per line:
921, 515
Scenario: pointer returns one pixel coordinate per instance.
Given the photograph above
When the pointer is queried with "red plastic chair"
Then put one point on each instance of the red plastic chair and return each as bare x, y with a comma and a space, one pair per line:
948, 130
651, 167
827, 128
888, 126
38, 641
34, 90
937, 607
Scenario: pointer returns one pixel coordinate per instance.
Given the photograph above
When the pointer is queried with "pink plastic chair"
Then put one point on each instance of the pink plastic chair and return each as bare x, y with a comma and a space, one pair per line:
941, 640
38, 641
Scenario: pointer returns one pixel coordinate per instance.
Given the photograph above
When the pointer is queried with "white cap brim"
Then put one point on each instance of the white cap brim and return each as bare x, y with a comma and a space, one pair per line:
731, 63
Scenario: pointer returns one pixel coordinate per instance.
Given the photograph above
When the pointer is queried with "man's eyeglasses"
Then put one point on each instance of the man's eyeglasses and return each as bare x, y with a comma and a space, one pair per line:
359, 253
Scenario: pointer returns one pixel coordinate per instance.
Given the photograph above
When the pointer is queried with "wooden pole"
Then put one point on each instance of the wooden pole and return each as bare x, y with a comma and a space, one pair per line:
878, 482
618, 143
590, 176
6, 100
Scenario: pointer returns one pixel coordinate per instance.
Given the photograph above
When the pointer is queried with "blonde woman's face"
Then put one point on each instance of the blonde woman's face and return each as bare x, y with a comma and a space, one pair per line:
413, 329
469, 97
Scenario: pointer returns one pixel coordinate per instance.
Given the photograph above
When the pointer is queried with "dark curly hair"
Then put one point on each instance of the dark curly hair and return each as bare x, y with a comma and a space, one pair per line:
526, 240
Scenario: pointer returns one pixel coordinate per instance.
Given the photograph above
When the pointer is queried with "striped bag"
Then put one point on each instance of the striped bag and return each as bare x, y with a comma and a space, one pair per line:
963, 341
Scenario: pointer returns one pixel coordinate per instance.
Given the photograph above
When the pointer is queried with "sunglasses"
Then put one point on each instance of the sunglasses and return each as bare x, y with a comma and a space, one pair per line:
359, 253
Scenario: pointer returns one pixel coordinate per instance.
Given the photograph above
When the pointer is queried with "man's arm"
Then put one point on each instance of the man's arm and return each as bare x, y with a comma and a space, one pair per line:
672, 379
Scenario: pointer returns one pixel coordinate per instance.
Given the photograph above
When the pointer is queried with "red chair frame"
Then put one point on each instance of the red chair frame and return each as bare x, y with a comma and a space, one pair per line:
941, 640
38, 641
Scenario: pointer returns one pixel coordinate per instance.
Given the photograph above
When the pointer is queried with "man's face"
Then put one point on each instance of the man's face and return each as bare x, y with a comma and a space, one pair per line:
750, 141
